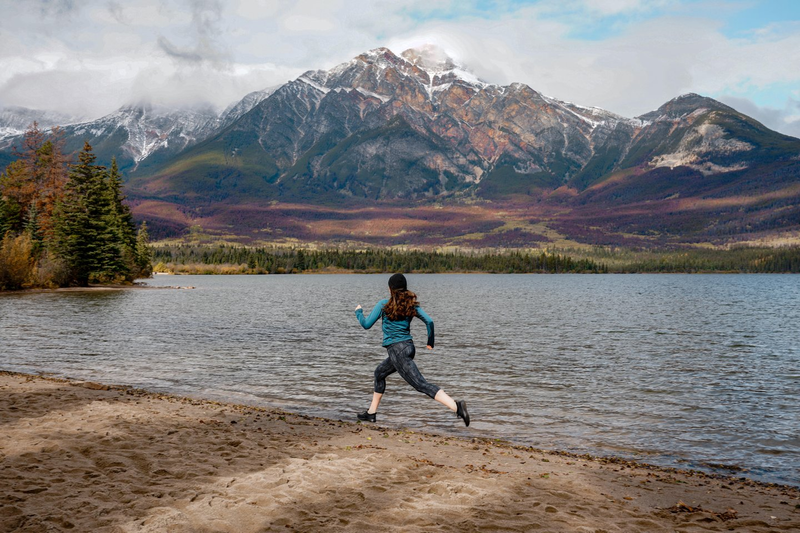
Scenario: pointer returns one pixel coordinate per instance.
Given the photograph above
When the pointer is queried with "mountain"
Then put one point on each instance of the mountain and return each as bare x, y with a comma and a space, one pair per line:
383, 126
15, 120
345, 154
139, 135
236, 110
418, 125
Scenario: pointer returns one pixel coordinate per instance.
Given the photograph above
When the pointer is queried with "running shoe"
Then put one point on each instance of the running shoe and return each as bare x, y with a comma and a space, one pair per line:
366, 416
462, 412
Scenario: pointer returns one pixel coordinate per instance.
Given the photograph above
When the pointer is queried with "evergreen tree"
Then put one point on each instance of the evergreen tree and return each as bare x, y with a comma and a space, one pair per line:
53, 167
13, 186
33, 228
37, 176
123, 220
84, 239
74, 217
144, 255
5, 222
75, 231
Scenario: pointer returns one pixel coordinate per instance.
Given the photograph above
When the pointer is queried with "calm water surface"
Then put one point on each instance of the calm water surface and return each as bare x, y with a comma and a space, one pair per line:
680, 370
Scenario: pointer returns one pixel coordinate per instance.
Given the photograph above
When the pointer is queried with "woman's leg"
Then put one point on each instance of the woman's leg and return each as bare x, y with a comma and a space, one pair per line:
403, 360
443, 398
376, 401
382, 371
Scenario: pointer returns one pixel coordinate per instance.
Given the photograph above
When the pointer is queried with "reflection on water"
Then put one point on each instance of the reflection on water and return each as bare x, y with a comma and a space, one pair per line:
675, 369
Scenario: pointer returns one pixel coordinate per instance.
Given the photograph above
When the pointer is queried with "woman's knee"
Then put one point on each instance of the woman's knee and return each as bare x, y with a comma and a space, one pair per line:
414, 378
380, 381
430, 390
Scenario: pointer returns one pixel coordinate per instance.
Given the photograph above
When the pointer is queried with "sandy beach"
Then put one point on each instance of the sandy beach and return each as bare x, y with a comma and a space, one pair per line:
77, 456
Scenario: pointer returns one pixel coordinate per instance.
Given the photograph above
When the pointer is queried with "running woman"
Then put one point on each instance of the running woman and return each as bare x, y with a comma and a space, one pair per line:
396, 313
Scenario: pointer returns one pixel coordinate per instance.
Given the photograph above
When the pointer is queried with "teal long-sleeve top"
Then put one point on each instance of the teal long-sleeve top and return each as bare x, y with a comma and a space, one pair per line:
394, 330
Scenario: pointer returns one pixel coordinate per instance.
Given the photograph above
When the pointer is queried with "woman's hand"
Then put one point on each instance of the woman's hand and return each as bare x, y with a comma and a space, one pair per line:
429, 347
358, 307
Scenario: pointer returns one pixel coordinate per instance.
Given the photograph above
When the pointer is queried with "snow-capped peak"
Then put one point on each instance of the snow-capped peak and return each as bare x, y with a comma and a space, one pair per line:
16, 120
430, 57
436, 62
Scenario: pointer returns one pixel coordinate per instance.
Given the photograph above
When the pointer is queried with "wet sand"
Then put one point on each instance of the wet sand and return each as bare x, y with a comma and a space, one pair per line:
78, 456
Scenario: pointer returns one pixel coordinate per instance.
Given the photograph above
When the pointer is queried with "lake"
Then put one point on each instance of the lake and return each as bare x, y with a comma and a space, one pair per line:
692, 371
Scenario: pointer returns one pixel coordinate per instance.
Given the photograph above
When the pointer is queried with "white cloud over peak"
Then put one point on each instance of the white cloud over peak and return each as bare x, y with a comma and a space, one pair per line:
103, 54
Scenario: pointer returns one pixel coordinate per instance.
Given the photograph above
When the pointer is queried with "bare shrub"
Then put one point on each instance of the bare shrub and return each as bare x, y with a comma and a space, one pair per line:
52, 272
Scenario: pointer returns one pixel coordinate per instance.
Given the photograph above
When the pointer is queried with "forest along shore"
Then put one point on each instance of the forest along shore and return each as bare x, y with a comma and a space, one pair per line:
236, 259
92, 457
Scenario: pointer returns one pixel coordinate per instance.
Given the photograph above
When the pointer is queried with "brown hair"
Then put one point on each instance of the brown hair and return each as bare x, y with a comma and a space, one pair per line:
401, 305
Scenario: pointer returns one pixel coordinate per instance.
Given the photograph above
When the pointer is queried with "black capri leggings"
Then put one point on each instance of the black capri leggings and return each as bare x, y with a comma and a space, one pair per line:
401, 360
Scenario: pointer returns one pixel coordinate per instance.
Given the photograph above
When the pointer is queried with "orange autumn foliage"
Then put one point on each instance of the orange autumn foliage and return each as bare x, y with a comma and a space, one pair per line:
36, 180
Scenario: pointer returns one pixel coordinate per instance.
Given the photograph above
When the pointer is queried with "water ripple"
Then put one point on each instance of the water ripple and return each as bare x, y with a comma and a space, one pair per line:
677, 369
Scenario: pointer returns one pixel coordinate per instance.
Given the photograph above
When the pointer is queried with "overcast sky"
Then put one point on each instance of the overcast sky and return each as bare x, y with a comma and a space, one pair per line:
89, 57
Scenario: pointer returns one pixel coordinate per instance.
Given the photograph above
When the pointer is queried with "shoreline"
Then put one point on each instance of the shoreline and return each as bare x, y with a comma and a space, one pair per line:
95, 288
718, 471
183, 464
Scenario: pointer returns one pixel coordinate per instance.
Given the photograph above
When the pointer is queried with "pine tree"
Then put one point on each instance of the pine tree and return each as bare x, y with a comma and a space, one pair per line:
53, 167
37, 176
144, 255
122, 218
33, 229
13, 186
121, 223
19, 181
83, 238
75, 234
5, 222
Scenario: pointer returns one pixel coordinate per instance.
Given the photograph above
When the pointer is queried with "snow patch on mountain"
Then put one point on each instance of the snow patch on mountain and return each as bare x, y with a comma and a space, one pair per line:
149, 129
380, 97
236, 110
317, 86
16, 120
595, 116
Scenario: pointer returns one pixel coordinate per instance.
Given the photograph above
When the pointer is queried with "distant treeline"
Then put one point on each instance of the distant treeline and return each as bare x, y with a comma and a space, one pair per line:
232, 259
222, 259
744, 259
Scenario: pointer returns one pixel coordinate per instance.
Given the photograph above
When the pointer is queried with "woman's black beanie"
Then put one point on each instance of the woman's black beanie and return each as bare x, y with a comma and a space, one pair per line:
398, 281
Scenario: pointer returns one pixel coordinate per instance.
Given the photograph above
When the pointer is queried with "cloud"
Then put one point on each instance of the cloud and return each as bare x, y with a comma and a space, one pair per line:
81, 93
205, 33
630, 73
189, 87
785, 120
54, 8
628, 56
616, 7
306, 24
117, 12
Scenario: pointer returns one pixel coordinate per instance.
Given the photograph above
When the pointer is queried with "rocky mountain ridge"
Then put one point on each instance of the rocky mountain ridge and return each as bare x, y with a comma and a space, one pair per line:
418, 126
134, 133
15, 120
